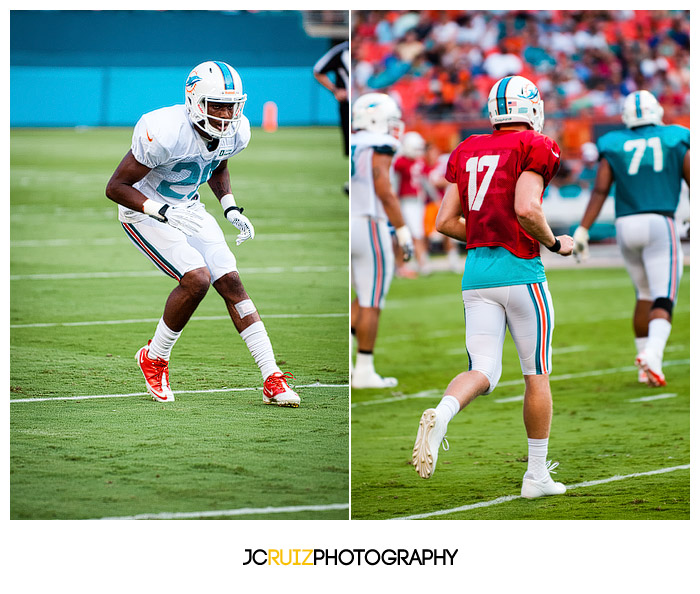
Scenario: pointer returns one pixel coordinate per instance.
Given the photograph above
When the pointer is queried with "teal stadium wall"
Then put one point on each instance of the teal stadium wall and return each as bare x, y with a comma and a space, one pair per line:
107, 68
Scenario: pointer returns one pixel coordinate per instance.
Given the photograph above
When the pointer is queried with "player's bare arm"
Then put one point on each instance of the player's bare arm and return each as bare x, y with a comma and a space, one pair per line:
686, 167
450, 219
381, 167
120, 187
601, 189
220, 184
528, 209
220, 180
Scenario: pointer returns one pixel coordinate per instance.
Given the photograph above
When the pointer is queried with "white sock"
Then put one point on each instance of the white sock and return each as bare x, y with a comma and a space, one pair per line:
659, 331
640, 343
448, 407
537, 458
163, 342
364, 363
259, 345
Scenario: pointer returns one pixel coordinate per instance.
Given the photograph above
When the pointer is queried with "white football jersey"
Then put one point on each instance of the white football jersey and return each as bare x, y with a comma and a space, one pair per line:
364, 201
166, 141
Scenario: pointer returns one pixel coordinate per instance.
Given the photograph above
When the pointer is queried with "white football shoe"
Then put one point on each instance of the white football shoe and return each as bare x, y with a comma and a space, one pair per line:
539, 488
362, 380
650, 363
431, 433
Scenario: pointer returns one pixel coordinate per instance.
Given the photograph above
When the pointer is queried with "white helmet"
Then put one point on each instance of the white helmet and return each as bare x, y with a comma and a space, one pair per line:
516, 99
214, 82
378, 113
641, 108
413, 145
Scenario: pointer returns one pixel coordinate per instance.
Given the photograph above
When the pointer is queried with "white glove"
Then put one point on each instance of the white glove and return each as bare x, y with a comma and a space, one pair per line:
235, 216
581, 243
185, 217
403, 236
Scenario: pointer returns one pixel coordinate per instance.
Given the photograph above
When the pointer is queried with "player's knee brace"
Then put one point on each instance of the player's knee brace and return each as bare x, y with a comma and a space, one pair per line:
663, 303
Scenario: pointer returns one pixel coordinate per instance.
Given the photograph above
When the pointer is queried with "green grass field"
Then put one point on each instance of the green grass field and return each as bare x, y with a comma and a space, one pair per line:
84, 300
604, 426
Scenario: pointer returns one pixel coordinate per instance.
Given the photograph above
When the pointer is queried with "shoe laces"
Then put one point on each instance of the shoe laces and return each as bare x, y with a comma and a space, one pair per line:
550, 466
445, 444
159, 367
280, 379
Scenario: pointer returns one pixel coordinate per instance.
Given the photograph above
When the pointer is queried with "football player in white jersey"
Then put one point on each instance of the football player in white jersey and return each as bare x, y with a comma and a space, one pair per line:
377, 125
175, 150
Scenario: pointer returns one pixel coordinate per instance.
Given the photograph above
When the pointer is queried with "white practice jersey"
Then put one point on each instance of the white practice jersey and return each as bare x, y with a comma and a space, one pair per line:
364, 201
166, 141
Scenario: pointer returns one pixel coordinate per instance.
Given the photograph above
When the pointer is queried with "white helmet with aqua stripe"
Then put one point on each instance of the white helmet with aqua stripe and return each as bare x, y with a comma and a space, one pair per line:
214, 98
516, 99
641, 108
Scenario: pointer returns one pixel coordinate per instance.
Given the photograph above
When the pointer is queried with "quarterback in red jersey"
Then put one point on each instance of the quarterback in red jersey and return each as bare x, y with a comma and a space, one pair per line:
494, 204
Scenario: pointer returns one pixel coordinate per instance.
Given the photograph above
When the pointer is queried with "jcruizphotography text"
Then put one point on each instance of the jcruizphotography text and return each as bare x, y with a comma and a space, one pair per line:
349, 557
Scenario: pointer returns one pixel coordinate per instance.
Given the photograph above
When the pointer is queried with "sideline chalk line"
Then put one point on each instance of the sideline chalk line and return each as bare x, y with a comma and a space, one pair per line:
244, 511
507, 498
212, 391
437, 392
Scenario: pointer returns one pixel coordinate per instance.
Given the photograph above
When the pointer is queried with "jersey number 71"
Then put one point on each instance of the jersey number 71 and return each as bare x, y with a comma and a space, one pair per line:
639, 146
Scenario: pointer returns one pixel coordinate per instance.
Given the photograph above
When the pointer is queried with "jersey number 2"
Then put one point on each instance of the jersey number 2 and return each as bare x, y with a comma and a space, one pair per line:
476, 192
639, 146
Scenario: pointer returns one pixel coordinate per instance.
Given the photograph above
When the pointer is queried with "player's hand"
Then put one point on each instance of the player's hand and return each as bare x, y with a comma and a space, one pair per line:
403, 236
236, 217
567, 245
581, 244
185, 218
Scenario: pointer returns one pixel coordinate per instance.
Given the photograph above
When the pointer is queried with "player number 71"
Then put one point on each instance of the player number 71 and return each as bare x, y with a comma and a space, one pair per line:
639, 145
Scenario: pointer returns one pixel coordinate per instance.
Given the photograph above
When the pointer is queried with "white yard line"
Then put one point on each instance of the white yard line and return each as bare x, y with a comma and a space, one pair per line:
244, 511
126, 274
213, 391
122, 239
152, 320
654, 397
499, 500
565, 376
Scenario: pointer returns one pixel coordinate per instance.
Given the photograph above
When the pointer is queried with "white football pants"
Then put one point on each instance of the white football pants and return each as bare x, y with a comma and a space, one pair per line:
372, 260
175, 253
526, 310
651, 248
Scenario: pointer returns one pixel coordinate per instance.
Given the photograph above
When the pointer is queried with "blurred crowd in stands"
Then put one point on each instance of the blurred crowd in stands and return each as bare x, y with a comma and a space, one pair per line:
442, 64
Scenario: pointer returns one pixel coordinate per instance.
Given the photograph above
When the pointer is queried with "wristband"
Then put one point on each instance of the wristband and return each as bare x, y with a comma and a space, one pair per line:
403, 235
556, 247
228, 203
153, 209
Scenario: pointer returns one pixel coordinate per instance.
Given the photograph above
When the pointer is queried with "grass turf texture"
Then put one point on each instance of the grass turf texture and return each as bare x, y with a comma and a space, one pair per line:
597, 432
205, 451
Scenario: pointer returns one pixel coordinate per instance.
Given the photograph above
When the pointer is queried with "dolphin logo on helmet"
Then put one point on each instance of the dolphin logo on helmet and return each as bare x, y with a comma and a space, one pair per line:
214, 82
516, 99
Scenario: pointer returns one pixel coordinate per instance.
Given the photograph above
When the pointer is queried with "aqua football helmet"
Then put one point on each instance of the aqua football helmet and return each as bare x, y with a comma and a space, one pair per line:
218, 83
641, 108
378, 113
516, 99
